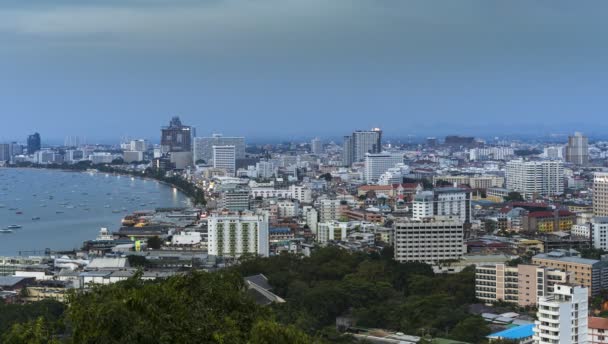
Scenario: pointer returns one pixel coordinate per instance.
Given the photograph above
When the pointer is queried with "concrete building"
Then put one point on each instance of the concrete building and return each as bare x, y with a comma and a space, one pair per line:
329, 210
176, 137
33, 143
491, 153
5, 152
311, 218
224, 157
138, 145
535, 178
265, 169
378, 163
236, 199
475, 182
235, 234
332, 231
203, 146
359, 143
590, 273
433, 242
597, 330
600, 194
316, 146
599, 232
132, 156
443, 202
521, 285
562, 316
301, 193
577, 149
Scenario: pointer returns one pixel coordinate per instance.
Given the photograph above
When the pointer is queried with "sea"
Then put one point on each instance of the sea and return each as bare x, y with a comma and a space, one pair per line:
59, 210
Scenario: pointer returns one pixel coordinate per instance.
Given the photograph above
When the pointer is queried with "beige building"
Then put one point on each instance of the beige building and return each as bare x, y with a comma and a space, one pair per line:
589, 273
600, 194
475, 182
522, 284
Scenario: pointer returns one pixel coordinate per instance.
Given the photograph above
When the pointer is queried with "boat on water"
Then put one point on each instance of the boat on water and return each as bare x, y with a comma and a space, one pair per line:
36, 218
19, 212
6, 231
13, 227
59, 212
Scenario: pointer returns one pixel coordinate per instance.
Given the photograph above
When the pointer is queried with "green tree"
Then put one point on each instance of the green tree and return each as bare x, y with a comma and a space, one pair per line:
473, 329
514, 196
37, 331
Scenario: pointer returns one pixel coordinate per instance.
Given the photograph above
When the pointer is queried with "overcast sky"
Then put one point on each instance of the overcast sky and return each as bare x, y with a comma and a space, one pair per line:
279, 68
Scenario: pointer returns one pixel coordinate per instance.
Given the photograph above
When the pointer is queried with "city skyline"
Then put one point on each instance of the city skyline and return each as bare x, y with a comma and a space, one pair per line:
106, 69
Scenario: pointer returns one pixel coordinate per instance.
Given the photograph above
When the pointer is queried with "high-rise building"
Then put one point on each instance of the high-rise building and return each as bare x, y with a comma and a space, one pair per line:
311, 217
562, 316
224, 158
203, 146
138, 145
329, 210
359, 143
316, 146
236, 199
432, 242
600, 194
235, 234
33, 143
176, 137
455, 202
598, 229
535, 178
5, 152
589, 273
577, 150
378, 163
331, 231
521, 285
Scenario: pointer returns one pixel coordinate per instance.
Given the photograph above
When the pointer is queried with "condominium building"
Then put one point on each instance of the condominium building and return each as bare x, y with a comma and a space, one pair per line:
316, 146
599, 232
331, 231
301, 193
491, 153
236, 199
311, 218
235, 234
359, 143
600, 194
521, 285
590, 273
138, 145
535, 178
443, 202
433, 241
203, 146
378, 163
329, 210
475, 182
577, 150
224, 158
562, 316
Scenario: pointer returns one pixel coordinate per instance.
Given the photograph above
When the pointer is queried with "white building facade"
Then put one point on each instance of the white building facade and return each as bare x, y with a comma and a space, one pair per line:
562, 316
234, 234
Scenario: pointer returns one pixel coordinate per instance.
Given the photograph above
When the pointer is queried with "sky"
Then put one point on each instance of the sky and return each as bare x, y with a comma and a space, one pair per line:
105, 69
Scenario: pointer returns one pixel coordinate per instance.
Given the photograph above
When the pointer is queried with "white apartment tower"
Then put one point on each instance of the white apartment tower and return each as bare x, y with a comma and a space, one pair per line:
235, 234
377, 164
455, 202
535, 178
562, 316
203, 146
600, 194
316, 146
359, 143
432, 242
224, 157
329, 210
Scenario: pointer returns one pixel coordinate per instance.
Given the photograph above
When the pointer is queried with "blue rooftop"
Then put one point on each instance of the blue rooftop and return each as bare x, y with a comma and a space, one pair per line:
279, 230
519, 332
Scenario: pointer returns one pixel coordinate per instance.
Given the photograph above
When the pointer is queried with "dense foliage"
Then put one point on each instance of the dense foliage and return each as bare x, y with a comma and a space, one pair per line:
374, 290
370, 289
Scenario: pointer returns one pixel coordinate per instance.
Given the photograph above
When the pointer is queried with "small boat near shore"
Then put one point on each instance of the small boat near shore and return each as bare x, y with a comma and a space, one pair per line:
13, 227
6, 231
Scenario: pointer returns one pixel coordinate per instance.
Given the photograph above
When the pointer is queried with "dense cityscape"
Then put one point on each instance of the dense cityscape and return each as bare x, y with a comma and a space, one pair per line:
507, 236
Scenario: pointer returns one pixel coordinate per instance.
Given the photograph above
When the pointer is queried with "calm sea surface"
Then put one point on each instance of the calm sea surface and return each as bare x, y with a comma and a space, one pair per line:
71, 206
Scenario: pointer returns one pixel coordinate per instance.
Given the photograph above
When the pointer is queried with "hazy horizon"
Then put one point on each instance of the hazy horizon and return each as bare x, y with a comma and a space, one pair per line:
301, 68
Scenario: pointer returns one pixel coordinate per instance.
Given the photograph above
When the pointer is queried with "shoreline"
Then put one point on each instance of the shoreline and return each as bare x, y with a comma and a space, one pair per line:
118, 173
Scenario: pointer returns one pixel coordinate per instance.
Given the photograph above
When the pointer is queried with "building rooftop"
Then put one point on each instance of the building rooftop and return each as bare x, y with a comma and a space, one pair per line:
564, 258
519, 332
598, 323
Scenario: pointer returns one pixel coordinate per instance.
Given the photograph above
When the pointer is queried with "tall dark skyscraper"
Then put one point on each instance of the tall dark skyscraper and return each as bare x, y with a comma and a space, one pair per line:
176, 137
577, 150
33, 143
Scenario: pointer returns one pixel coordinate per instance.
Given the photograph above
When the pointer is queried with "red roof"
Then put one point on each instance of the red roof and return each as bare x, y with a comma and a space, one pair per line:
561, 213
598, 323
